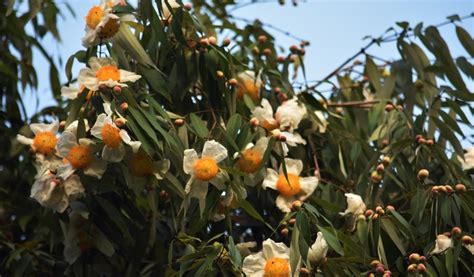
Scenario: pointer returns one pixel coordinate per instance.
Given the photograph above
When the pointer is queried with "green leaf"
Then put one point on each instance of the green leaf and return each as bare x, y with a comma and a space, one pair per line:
391, 230
373, 73
199, 126
466, 40
331, 238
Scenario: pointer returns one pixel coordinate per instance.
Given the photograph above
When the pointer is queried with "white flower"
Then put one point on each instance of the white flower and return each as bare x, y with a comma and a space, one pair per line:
104, 71
204, 170
142, 167
442, 244
295, 188
250, 161
166, 11
45, 139
355, 204
72, 91
54, 192
289, 114
273, 260
468, 161
249, 84
78, 155
112, 137
102, 24
317, 252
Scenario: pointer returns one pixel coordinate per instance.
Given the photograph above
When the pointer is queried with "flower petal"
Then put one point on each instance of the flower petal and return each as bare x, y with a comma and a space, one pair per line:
160, 168
292, 166
66, 141
284, 203
213, 149
96, 130
88, 79
308, 185
127, 76
113, 155
264, 112
70, 92
254, 264
273, 249
271, 179
24, 140
190, 158
126, 138
73, 187
219, 180
96, 168
45, 127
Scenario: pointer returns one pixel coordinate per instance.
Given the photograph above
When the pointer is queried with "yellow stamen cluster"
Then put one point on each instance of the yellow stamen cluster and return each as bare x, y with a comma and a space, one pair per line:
288, 187
276, 267
44, 142
205, 169
250, 160
108, 72
248, 87
94, 16
80, 156
111, 135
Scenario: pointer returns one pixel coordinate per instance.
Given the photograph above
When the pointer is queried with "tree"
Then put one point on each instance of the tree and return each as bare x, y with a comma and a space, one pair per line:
181, 153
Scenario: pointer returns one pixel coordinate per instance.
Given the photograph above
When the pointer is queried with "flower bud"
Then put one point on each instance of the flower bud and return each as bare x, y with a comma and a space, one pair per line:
117, 89
380, 269
423, 174
412, 268
421, 268
419, 84
267, 52
369, 213
421, 141
212, 40
370, 274
460, 188
361, 217
304, 271
449, 189
422, 259
296, 205
389, 107
414, 258
418, 137
233, 82
226, 42
375, 216
385, 143
466, 239
443, 189
390, 208
294, 49
447, 234
292, 221
204, 42
254, 122
375, 263
124, 106
219, 74
456, 231
376, 177
277, 90
399, 108
387, 273
164, 194
386, 161
188, 6
103, 88
284, 232
430, 142
435, 190
282, 138
255, 50
281, 59
62, 125
120, 122
282, 97
179, 122
380, 168
262, 39
378, 209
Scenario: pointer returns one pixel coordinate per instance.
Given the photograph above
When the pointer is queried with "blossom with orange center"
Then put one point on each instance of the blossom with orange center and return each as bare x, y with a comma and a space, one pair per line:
204, 170
250, 160
44, 141
104, 71
78, 154
144, 170
291, 189
272, 261
113, 138
248, 84
94, 17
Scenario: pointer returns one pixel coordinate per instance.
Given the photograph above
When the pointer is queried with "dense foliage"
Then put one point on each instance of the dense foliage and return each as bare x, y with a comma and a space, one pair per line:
185, 145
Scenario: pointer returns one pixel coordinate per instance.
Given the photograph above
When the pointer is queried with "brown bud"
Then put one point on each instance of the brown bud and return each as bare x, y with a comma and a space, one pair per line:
385, 143
262, 39
255, 50
164, 194
456, 231
254, 122
282, 138
418, 137
117, 89
369, 213
179, 122
460, 188
466, 239
62, 125
188, 6
430, 142
414, 258
296, 205
423, 174
387, 273
302, 51
421, 141
103, 88
421, 268
422, 259
219, 74
226, 42
411, 268
204, 42
370, 274
233, 82
120, 122
212, 40
375, 177
448, 234
304, 271
389, 107
399, 108
284, 232
449, 189
277, 90
435, 190
419, 84
390, 208
292, 221
124, 106
361, 217
380, 269
442, 189
281, 59
375, 216
294, 49
282, 97
386, 161
380, 168
267, 52
375, 263
378, 209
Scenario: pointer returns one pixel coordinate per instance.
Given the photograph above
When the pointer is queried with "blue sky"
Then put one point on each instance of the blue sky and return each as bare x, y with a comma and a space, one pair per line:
334, 28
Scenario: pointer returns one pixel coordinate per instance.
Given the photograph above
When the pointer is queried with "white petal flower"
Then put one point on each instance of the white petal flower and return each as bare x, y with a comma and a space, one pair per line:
72, 91
442, 244
317, 252
166, 11
273, 260
290, 187
264, 115
250, 160
204, 170
104, 71
355, 204
249, 84
45, 138
289, 114
142, 167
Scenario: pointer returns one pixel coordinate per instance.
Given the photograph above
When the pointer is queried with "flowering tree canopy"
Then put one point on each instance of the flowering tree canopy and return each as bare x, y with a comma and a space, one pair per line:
186, 146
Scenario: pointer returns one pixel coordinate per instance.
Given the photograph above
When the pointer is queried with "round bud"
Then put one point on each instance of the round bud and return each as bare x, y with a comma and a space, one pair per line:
120, 122
386, 161
255, 50
378, 209
466, 239
423, 174
294, 49
124, 106
293, 58
435, 190
442, 189
188, 6
254, 122
339, 110
375, 177
103, 88
226, 42
296, 205
380, 269
399, 108
281, 59
62, 125
375, 263
380, 168
282, 97
233, 82
267, 52
179, 122
389, 107
219, 74
422, 259
449, 189
421, 141
385, 143
369, 213
262, 39
292, 221
460, 188
414, 258
284, 232
302, 51
276, 134
419, 84
418, 137
456, 231
375, 216
212, 40
370, 274
361, 217
204, 42
421, 268
282, 138
365, 78
117, 89
411, 268
387, 273
430, 142
164, 194
390, 208
277, 90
